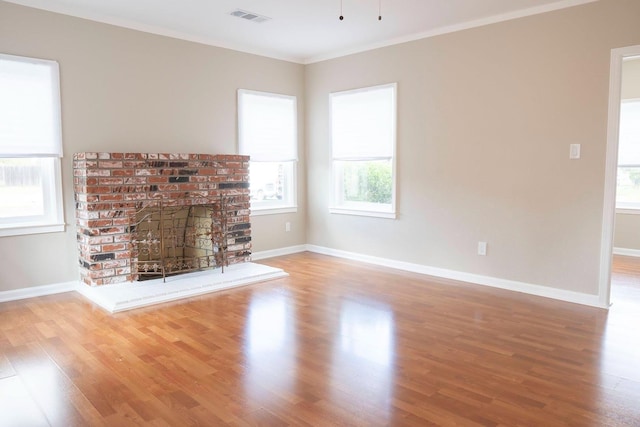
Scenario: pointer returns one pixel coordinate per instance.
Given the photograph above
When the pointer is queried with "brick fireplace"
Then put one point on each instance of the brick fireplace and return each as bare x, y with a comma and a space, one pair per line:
112, 188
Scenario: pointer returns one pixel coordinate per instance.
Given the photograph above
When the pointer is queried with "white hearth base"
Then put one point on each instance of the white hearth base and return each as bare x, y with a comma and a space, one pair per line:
127, 296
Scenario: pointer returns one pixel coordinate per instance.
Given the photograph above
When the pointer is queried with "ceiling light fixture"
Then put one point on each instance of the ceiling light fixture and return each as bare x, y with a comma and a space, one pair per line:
379, 11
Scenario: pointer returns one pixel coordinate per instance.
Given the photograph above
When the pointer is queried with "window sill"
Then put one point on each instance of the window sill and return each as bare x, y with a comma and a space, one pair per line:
20, 230
628, 211
274, 211
357, 212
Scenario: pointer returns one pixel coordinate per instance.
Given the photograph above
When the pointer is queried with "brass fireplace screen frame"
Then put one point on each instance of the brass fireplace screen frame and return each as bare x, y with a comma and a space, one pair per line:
170, 240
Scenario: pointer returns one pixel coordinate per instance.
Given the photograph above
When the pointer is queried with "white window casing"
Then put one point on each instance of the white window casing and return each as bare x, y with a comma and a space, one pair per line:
30, 146
628, 185
267, 132
363, 141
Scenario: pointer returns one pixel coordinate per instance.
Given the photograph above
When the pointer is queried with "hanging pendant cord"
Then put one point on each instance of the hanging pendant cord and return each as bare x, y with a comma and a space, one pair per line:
379, 10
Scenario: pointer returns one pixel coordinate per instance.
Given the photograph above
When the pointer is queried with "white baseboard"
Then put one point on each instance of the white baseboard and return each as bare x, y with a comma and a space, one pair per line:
37, 291
278, 252
511, 285
626, 252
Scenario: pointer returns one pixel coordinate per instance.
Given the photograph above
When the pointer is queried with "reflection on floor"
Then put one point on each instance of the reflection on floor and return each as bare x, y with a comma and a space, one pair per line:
625, 280
622, 340
337, 343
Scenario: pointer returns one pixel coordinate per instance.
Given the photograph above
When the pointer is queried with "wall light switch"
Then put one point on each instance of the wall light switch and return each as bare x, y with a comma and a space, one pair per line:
482, 248
287, 226
574, 151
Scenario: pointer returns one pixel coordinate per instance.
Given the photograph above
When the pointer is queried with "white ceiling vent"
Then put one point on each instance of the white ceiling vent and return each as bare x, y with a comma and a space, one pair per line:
249, 16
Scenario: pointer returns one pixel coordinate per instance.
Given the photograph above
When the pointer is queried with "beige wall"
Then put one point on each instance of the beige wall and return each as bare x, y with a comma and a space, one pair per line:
627, 230
631, 79
124, 90
485, 119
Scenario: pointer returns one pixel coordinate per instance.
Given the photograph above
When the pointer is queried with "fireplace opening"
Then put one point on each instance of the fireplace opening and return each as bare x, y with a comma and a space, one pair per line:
170, 240
173, 240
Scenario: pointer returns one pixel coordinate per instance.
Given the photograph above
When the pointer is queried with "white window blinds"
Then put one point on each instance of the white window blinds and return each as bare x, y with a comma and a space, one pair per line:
629, 145
267, 126
363, 123
30, 124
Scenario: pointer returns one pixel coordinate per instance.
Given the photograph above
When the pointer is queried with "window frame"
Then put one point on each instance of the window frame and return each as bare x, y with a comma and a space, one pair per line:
369, 209
52, 219
626, 207
271, 207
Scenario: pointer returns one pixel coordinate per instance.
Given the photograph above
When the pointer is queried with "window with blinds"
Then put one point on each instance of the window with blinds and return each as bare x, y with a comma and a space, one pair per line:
30, 146
267, 131
628, 179
363, 141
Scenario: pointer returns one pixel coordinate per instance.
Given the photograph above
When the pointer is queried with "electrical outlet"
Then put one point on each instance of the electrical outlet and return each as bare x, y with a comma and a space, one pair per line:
287, 226
574, 151
482, 248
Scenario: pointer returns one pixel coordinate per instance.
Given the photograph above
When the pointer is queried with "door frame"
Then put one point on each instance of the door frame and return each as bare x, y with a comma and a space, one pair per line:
611, 170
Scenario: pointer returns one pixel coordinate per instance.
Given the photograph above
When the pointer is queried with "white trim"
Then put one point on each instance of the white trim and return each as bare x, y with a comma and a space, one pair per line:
114, 299
611, 170
626, 252
627, 211
52, 218
494, 282
57, 204
285, 155
511, 285
278, 252
386, 210
31, 229
152, 29
377, 214
273, 211
452, 29
37, 291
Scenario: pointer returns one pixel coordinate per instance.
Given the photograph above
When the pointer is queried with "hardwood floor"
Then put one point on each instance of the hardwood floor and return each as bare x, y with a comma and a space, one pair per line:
336, 343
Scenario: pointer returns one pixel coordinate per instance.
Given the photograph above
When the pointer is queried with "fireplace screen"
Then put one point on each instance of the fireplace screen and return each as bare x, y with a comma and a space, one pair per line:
169, 240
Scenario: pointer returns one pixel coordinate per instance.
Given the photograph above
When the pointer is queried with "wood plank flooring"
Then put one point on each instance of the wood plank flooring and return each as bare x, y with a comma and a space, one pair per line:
338, 343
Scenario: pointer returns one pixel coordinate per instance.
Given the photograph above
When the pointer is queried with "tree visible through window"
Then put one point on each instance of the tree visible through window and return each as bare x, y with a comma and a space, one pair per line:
367, 181
363, 135
30, 146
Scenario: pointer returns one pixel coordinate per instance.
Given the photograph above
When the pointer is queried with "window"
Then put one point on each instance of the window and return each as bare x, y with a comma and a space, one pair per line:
30, 146
363, 135
628, 180
267, 132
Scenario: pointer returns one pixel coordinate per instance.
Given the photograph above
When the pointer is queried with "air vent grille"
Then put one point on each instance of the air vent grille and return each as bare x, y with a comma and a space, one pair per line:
249, 16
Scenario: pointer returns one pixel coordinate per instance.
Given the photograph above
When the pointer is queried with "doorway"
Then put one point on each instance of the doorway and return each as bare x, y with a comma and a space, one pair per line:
618, 231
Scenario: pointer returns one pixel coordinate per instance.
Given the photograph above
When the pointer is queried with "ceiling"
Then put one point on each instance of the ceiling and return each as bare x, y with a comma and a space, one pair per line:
302, 31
